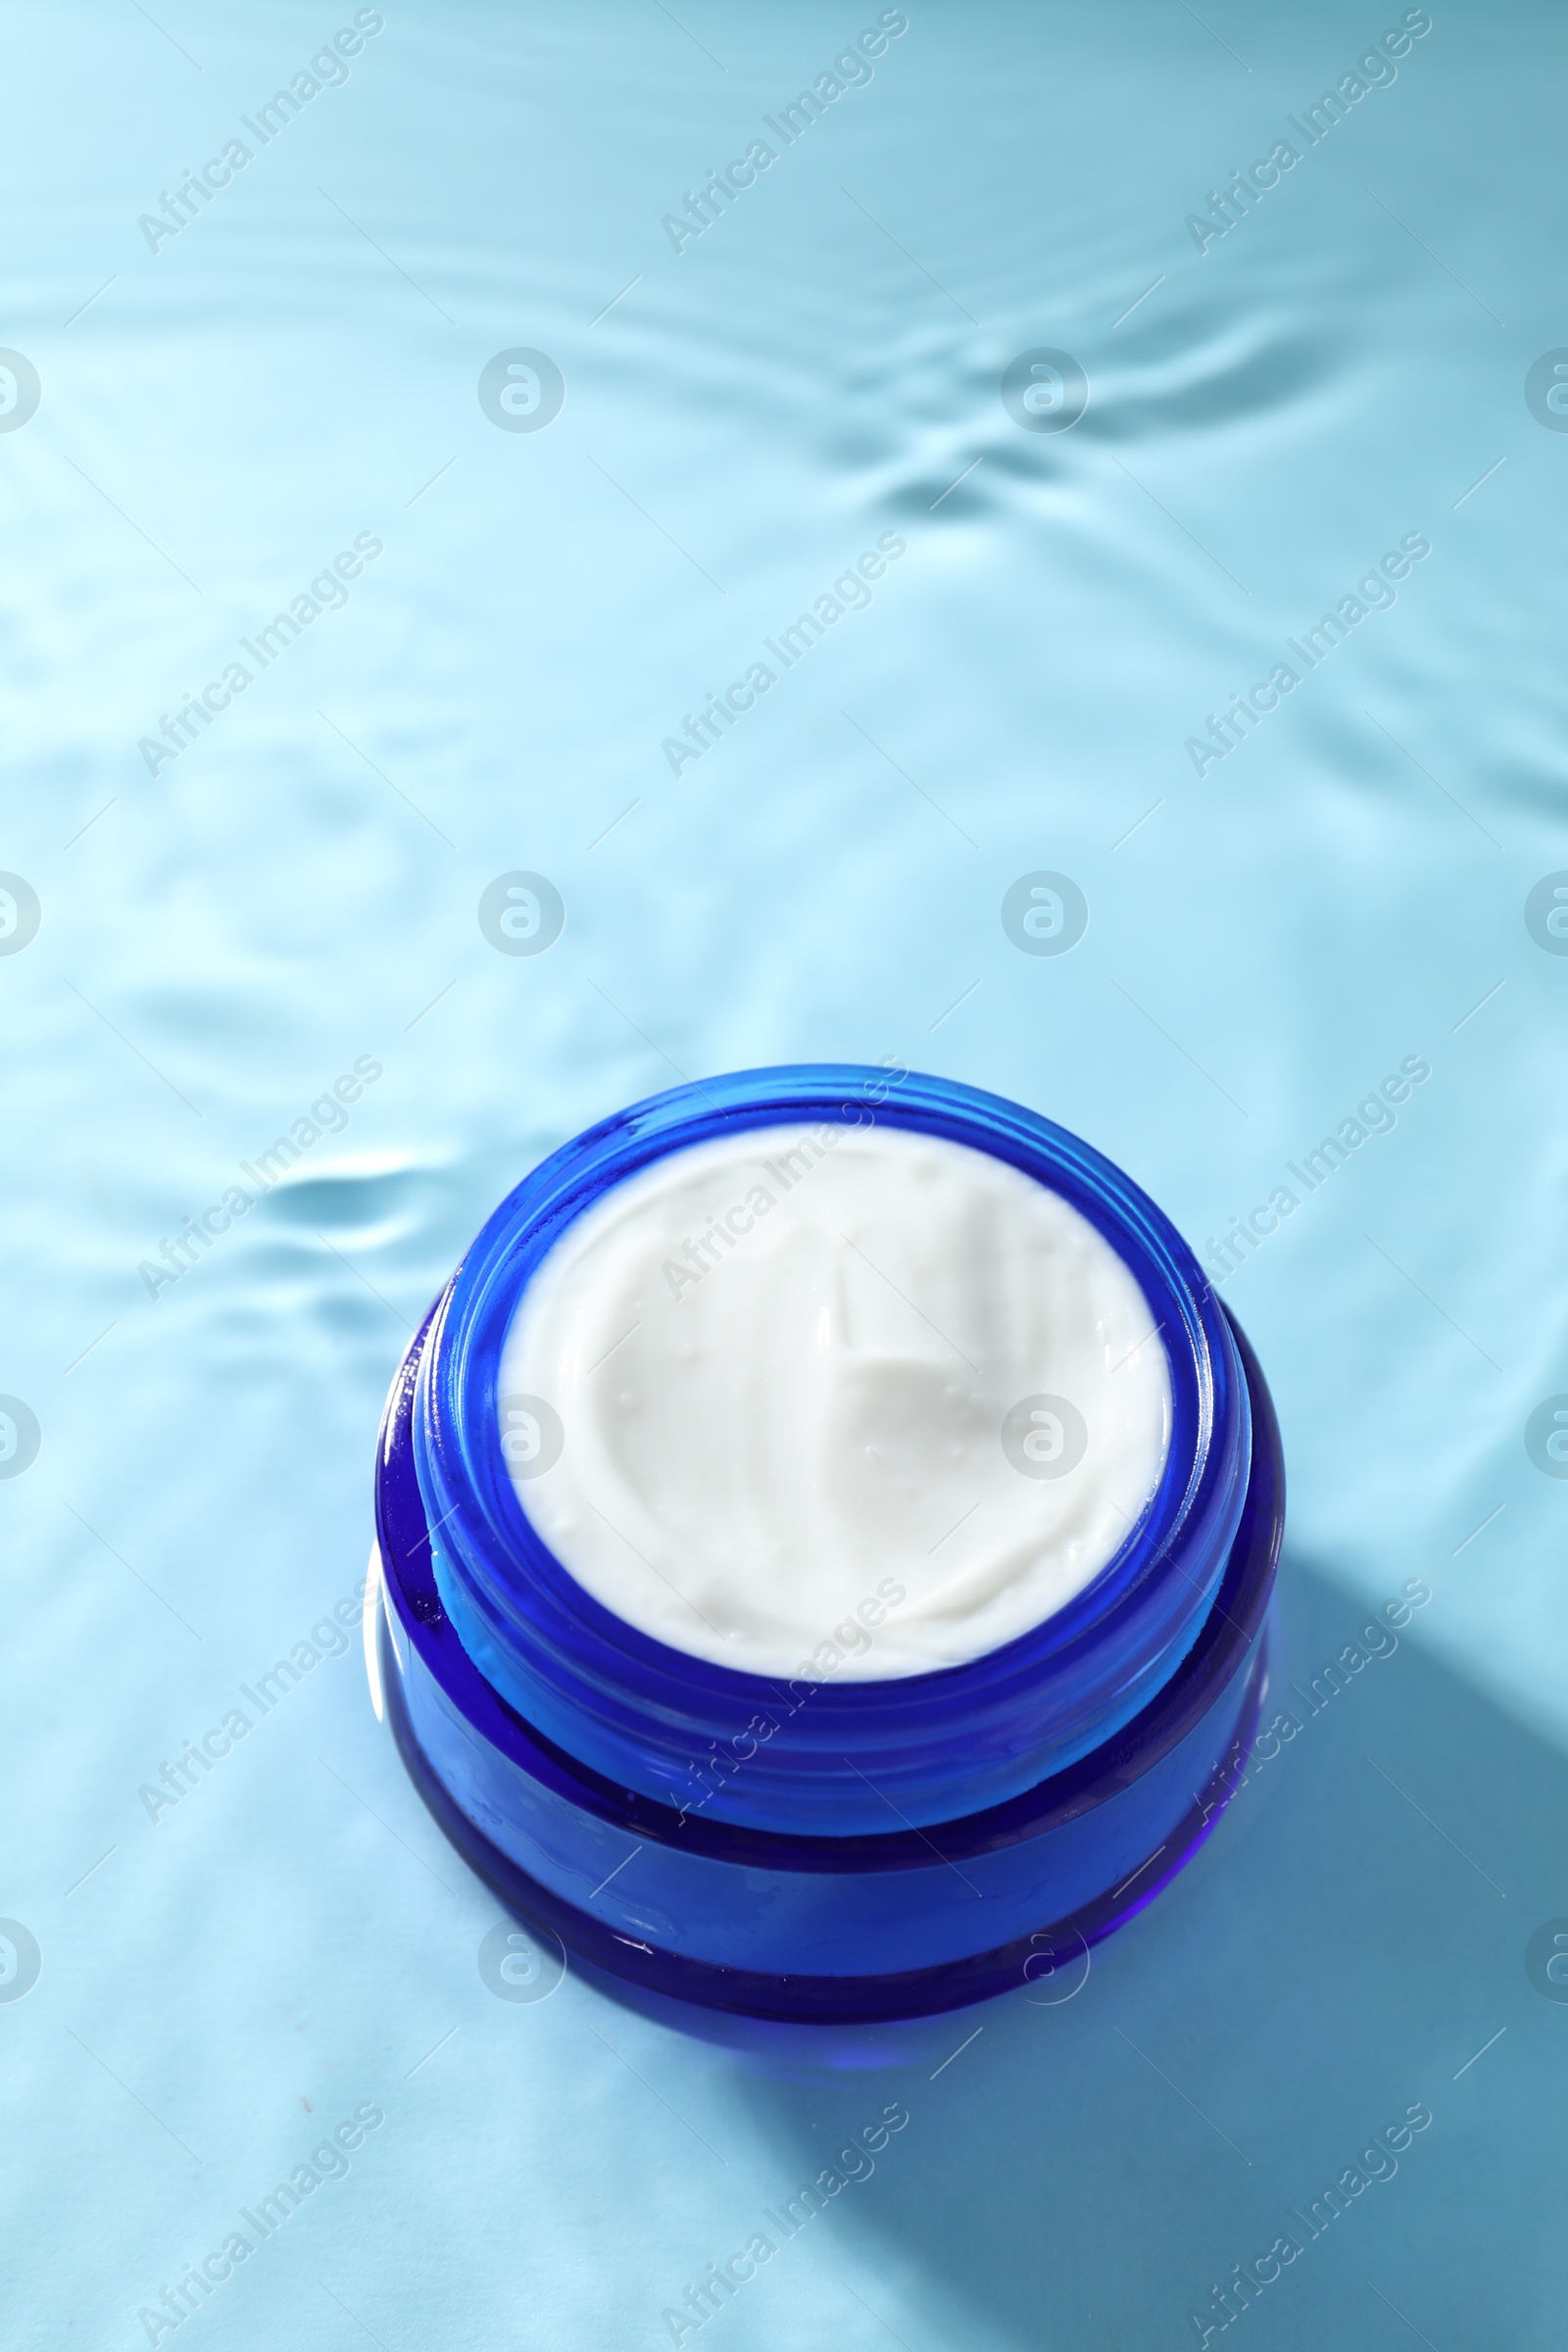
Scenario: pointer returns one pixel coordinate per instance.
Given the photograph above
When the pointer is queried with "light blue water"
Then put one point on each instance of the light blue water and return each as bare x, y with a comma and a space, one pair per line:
220, 940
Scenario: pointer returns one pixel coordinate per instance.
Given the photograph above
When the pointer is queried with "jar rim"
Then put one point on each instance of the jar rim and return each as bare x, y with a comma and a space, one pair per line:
1143, 1607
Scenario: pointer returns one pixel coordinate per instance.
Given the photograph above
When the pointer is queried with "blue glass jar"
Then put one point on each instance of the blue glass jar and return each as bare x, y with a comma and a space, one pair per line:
890, 1846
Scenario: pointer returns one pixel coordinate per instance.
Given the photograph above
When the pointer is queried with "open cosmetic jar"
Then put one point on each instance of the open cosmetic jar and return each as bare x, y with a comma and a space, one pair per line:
689, 1632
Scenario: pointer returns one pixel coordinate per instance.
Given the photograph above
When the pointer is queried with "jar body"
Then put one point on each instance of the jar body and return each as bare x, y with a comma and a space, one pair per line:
783, 1901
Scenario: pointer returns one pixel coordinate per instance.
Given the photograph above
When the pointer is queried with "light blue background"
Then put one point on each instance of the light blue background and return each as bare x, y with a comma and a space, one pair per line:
299, 889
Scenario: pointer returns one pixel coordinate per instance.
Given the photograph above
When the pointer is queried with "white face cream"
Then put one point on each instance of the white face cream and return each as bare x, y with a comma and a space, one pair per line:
848, 1403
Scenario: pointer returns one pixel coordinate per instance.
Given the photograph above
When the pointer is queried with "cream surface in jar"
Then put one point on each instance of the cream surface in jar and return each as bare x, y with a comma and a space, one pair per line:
848, 1402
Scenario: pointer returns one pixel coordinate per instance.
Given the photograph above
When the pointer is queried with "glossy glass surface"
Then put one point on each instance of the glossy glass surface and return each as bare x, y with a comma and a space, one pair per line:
924, 1749
819, 1927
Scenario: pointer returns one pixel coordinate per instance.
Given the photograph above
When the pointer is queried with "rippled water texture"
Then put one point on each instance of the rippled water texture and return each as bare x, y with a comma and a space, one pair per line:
225, 933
